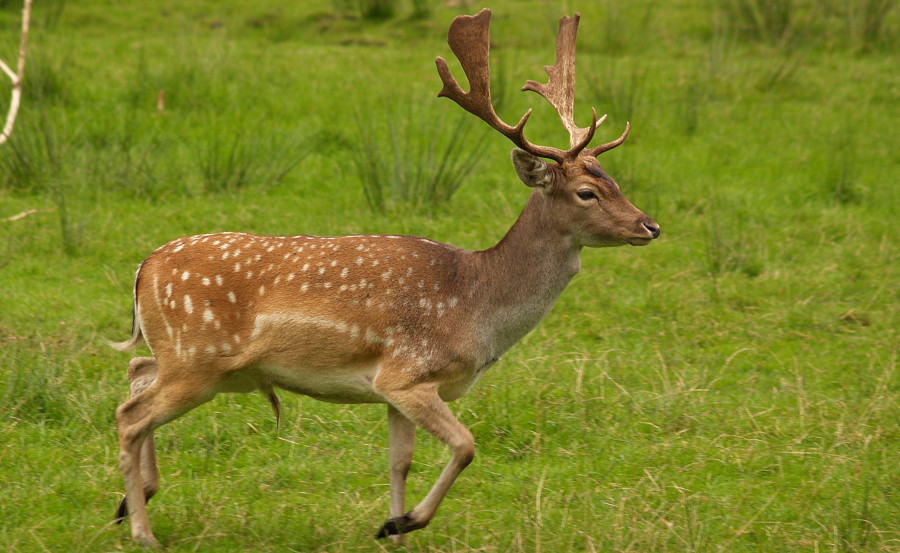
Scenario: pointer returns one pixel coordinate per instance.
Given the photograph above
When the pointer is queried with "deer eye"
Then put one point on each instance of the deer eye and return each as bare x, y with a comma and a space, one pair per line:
586, 194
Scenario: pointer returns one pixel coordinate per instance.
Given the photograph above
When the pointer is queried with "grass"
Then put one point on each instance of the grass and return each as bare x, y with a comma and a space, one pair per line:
733, 387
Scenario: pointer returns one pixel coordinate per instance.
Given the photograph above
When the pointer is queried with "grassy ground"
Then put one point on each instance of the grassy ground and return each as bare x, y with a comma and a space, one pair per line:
733, 387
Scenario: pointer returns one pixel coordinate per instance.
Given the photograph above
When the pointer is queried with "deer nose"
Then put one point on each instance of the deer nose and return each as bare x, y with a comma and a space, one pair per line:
652, 227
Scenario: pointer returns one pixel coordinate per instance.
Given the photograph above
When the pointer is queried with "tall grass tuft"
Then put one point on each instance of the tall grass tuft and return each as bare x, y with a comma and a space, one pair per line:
839, 177
729, 245
766, 20
227, 160
367, 9
422, 160
36, 151
865, 21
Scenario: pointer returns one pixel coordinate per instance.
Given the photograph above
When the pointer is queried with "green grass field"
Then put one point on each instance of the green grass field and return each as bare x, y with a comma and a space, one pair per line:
733, 387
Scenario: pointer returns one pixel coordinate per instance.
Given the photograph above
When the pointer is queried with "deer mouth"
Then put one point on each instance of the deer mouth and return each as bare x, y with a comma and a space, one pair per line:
639, 241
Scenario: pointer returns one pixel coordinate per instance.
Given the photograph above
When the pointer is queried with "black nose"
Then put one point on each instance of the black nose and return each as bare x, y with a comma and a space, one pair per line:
652, 227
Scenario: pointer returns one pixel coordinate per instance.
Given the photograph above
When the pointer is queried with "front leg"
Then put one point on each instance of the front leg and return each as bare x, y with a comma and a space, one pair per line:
422, 405
402, 437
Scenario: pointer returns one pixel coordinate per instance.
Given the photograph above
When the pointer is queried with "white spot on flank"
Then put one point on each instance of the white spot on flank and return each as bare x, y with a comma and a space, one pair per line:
305, 267
205, 281
188, 305
219, 280
225, 256
178, 249
304, 287
207, 315
185, 275
168, 290
344, 272
290, 277
322, 270
231, 297
226, 347
262, 290
210, 350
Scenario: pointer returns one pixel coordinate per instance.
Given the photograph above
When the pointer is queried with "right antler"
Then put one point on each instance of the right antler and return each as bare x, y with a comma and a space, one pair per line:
469, 39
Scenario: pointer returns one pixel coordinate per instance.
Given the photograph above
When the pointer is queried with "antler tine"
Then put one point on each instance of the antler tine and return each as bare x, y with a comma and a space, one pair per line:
594, 152
469, 39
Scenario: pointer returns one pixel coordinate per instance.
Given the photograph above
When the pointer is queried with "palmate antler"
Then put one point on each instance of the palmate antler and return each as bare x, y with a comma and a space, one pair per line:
469, 39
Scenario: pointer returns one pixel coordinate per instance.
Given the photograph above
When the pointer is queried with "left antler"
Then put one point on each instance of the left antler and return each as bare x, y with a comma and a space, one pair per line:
560, 92
560, 89
469, 40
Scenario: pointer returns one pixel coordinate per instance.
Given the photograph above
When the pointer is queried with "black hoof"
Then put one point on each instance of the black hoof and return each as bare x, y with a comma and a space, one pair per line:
398, 525
123, 510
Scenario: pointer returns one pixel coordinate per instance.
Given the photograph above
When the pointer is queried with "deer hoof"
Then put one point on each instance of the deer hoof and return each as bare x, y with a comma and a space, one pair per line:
399, 525
123, 510
148, 541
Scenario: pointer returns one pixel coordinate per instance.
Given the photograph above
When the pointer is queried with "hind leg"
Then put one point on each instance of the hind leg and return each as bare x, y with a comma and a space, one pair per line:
142, 372
162, 401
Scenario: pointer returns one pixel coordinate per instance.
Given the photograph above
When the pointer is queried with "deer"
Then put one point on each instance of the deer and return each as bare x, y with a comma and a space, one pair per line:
398, 320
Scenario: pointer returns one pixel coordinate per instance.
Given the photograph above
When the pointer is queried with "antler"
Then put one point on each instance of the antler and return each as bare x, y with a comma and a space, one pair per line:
560, 89
469, 39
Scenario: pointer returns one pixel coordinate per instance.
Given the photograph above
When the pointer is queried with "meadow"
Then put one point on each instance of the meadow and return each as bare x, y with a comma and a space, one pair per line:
732, 387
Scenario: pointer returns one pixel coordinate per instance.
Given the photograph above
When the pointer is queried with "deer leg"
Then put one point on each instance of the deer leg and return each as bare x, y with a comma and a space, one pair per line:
402, 436
136, 419
422, 405
142, 372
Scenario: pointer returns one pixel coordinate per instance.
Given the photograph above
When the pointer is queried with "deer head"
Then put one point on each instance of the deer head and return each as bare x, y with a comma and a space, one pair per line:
591, 207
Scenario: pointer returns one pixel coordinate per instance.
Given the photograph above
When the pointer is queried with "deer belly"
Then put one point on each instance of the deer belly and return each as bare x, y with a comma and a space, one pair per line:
335, 385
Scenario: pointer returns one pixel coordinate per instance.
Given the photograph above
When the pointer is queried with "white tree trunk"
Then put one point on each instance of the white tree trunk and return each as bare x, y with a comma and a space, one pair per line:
16, 78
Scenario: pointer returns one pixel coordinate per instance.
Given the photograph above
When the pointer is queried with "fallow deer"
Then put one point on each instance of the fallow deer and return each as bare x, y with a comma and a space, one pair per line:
399, 320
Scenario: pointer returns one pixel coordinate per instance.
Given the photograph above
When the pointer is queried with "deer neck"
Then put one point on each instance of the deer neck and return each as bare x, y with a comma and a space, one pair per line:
524, 274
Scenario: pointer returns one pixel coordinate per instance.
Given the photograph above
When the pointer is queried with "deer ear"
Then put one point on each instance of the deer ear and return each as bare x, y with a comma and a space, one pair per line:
533, 170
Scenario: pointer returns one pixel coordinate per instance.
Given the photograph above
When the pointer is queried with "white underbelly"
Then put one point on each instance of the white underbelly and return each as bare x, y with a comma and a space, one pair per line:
336, 385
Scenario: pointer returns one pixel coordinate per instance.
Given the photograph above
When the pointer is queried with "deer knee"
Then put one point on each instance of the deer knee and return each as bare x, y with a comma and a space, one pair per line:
401, 468
464, 450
